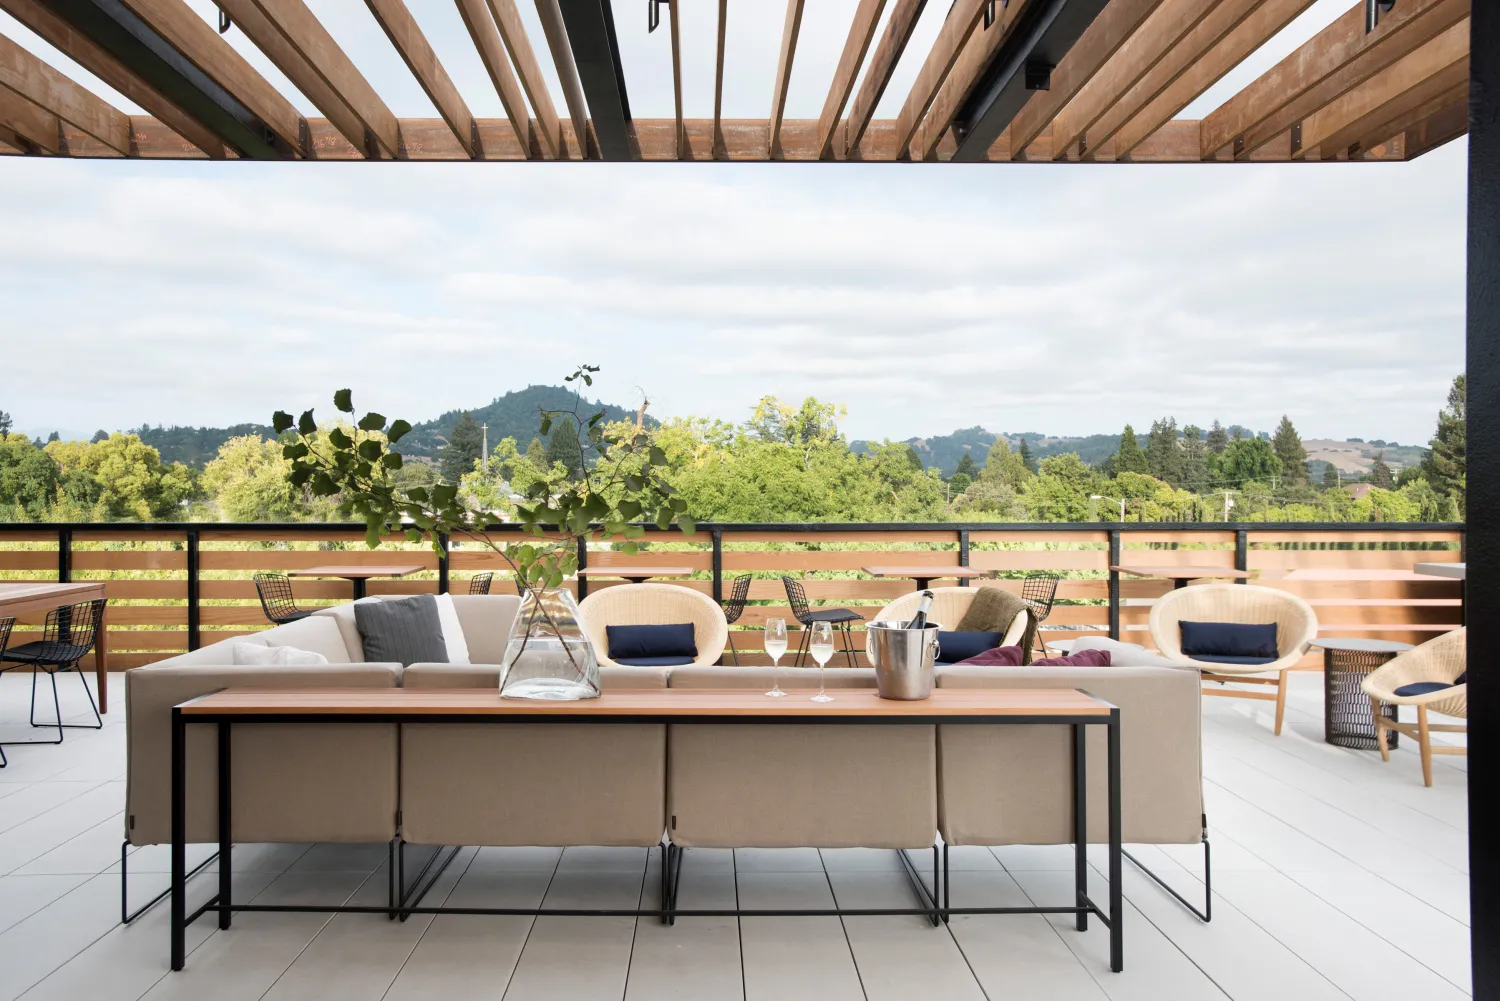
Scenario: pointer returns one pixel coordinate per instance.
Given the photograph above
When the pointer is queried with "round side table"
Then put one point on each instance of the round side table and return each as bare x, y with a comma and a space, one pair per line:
1347, 717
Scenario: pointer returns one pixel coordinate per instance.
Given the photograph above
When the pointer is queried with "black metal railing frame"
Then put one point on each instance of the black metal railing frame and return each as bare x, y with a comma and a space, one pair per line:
1116, 533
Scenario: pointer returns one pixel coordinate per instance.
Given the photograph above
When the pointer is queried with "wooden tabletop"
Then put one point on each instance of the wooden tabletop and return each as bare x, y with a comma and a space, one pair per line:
927, 573
630, 572
350, 573
45, 589
1184, 572
663, 703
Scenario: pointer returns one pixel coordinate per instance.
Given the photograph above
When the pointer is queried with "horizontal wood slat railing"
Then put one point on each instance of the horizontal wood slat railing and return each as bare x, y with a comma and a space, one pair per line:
176, 587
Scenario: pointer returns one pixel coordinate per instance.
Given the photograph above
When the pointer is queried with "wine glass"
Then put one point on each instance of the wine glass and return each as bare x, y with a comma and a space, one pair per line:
820, 644
776, 647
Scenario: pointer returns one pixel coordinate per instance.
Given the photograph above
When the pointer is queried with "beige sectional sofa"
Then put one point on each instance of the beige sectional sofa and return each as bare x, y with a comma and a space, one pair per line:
889, 786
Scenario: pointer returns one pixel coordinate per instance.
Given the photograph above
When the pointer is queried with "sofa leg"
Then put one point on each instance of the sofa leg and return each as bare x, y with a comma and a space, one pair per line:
1206, 914
1280, 700
126, 914
927, 898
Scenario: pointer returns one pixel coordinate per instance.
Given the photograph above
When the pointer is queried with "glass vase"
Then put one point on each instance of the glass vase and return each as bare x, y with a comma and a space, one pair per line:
548, 655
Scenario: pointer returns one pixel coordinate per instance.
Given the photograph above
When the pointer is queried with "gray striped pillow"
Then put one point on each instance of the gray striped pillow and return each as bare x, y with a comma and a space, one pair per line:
407, 631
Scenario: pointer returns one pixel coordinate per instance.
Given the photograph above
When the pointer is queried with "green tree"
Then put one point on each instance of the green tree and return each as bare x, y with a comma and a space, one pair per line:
1446, 464
1027, 459
5, 424
563, 447
1248, 459
1007, 467
1380, 474
120, 479
1287, 445
465, 442
28, 480
967, 468
1331, 480
1218, 439
1194, 460
99, 436
1129, 458
536, 453
1163, 454
247, 481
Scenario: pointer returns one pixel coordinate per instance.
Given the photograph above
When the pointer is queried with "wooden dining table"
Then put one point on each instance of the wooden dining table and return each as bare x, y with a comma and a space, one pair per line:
636, 575
357, 577
1179, 576
30, 597
926, 575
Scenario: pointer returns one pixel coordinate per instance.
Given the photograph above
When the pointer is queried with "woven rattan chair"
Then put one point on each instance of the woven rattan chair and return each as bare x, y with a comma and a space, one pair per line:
1296, 626
1430, 677
1039, 591
841, 619
276, 600
654, 604
948, 607
733, 609
67, 638
480, 582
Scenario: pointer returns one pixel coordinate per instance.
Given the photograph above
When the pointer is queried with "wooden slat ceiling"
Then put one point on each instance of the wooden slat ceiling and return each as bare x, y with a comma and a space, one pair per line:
1107, 94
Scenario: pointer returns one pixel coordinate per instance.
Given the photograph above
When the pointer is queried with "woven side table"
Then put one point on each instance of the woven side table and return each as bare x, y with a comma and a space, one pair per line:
1347, 718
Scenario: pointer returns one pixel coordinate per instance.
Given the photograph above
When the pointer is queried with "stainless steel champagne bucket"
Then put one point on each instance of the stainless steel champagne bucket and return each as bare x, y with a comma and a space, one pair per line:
903, 658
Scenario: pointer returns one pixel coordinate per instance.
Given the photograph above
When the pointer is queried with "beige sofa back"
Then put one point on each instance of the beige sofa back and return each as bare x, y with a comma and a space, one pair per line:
1004, 785
770, 786
532, 783
292, 782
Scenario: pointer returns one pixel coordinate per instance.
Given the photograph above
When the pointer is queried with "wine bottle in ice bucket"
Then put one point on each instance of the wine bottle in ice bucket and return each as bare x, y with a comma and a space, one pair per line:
919, 621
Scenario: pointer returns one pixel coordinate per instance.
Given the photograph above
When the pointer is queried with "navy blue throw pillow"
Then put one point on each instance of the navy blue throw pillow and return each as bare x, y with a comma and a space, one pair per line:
955, 646
639, 642
653, 661
1421, 688
1229, 639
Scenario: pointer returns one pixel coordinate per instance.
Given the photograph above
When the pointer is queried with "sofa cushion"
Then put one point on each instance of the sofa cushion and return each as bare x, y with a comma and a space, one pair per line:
1121, 654
627, 643
1202, 640
614, 679
246, 654
957, 645
453, 633
404, 631
1422, 688
342, 617
1214, 658
486, 621
315, 634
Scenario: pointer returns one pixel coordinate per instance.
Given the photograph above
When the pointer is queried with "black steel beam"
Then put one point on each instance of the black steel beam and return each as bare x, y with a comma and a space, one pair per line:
1043, 34
137, 45
591, 36
1482, 545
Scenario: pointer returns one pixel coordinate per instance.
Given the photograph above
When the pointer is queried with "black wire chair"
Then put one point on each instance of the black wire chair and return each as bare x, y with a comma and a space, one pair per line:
275, 590
1039, 591
840, 618
480, 582
66, 639
734, 608
7, 623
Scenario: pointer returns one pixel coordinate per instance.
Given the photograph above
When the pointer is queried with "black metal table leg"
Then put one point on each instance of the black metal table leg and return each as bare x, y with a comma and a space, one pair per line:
1116, 891
922, 582
1080, 825
226, 869
179, 840
359, 587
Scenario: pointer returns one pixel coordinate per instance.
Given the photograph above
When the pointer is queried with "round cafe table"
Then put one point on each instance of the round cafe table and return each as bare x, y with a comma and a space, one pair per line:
1348, 720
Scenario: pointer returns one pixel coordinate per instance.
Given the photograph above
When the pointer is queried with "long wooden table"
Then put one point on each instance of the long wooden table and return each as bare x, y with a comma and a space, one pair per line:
231, 707
43, 596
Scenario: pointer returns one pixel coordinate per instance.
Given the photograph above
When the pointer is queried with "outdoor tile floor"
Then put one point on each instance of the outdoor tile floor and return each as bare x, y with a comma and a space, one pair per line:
1335, 876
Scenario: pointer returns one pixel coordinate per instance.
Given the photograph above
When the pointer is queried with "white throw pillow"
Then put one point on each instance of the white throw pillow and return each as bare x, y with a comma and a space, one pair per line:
255, 654
453, 632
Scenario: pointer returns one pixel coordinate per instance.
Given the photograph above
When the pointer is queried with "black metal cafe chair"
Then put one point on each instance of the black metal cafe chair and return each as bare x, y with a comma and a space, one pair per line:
275, 590
480, 582
841, 619
67, 638
734, 608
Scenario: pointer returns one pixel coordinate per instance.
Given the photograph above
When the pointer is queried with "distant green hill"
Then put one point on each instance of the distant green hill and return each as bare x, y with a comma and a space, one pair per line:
513, 415
944, 451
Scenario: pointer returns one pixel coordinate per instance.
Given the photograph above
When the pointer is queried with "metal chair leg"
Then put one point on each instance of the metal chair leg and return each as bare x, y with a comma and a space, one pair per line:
1206, 914
733, 653
56, 705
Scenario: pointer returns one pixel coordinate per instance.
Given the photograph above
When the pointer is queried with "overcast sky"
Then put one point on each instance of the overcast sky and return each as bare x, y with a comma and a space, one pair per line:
1063, 299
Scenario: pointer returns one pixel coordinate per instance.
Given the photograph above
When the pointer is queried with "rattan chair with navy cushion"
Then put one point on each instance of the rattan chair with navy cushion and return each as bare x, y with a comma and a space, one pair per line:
734, 608
480, 583
276, 600
840, 618
67, 638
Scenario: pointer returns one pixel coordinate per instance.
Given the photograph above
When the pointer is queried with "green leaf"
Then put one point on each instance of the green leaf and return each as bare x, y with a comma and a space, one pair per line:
418, 494
557, 578
663, 517
338, 439
413, 535
371, 422
299, 476
305, 424
370, 449
281, 421
295, 450
443, 494
546, 426
629, 548
323, 485
687, 524
344, 401
596, 418
656, 456
634, 484
391, 460
630, 510
397, 431
372, 535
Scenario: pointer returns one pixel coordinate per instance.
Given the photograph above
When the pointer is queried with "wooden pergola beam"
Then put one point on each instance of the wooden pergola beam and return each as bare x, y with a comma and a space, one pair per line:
1379, 105
978, 52
718, 137
28, 125
1088, 56
898, 29
1082, 121
962, 18
790, 28
567, 72
97, 60
28, 77
1337, 59
1442, 126
481, 24
402, 29
513, 34
1213, 60
861, 34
